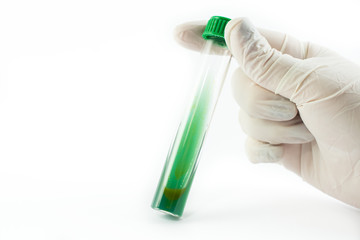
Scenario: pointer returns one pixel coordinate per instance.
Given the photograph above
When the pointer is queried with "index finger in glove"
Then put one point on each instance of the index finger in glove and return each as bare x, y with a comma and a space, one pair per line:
189, 35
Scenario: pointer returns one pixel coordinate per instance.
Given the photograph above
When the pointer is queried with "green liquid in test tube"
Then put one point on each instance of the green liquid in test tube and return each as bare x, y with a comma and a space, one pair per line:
183, 156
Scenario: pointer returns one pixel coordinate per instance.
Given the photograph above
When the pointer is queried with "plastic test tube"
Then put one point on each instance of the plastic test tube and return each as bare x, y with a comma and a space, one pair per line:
183, 156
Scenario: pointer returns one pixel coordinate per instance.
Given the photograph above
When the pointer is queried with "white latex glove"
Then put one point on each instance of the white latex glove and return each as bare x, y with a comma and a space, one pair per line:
300, 105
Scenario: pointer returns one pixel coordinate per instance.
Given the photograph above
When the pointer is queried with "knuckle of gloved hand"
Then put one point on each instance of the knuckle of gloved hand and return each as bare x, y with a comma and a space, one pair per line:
247, 124
253, 127
252, 102
261, 130
244, 91
239, 82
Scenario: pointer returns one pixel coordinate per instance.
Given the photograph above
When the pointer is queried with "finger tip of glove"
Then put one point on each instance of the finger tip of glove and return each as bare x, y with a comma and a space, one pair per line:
188, 34
230, 28
260, 152
179, 34
281, 111
236, 30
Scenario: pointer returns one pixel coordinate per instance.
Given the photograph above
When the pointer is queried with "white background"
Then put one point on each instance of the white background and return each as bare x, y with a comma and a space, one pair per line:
90, 96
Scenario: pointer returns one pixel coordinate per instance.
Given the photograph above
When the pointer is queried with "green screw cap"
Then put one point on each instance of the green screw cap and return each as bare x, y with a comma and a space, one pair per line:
215, 29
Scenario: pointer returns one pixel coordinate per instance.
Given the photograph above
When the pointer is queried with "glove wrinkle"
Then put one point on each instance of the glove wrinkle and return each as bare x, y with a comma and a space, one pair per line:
284, 43
295, 82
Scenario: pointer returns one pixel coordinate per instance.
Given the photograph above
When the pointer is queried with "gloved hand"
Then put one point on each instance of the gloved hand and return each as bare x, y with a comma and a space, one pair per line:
300, 105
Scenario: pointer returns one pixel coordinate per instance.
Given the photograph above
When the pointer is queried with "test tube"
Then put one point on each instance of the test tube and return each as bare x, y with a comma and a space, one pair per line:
183, 156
